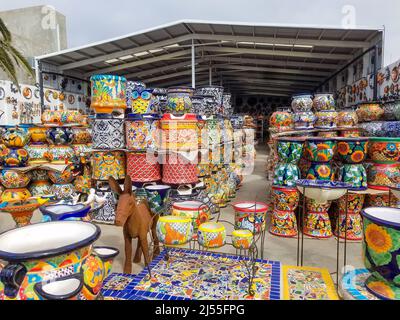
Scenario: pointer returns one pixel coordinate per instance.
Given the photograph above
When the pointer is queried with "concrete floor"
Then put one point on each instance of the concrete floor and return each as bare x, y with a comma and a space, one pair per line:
317, 253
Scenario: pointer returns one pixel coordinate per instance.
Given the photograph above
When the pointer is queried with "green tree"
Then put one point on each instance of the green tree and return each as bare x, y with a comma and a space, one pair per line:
10, 58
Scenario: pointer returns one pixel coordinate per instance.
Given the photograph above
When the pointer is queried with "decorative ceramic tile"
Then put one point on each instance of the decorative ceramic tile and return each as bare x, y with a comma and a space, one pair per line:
307, 283
197, 275
353, 285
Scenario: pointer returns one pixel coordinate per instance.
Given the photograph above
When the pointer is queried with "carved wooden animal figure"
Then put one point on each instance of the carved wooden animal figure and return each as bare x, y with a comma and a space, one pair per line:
136, 218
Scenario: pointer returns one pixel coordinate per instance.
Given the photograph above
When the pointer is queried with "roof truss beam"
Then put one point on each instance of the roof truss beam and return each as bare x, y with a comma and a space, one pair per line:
272, 70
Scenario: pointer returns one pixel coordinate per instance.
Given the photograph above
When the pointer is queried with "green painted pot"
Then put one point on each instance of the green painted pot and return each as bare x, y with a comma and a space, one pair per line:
354, 174
352, 150
286, 174
290, 149
320, 149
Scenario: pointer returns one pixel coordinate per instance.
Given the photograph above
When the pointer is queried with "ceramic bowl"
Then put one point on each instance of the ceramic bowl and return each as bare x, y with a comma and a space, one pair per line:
40, 188
17, 194
284, 198
290, 149
38, 153
281, 121
304, 120
369, 112
12, 179
324, 102
326, 119
59, 136
347, 118
391, 110
14, 157
391, 129
384, 150
211, 235
302, 103
59, 212
322, 191
372, 129
355, 175
320, 149
172, 230
60, 154
242, 239
250, 215
352, 150
383, 176
16, 137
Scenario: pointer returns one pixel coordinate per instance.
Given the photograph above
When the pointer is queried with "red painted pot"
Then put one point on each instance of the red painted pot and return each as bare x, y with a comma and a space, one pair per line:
177, 170
142, 168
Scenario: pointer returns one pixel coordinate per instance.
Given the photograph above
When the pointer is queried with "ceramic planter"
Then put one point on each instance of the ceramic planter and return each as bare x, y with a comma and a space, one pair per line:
352, 150
290, 149
60, 154
38, 134
197, 211
242, 239
39, 175
372, 129
14, 179
157, 195
82, 150
283, 224
347, 118
326, 120
142, 168
108, 133
71, 117
381, 248
81, 136
16, 137
285, 199
132, 86
250, 216
355, 203
353, 230
16, 194
215, 104
203, 170
67, 176
179, 100
381, 200
159, 100
286, 174
281, 121
314, 206
383, 176
83, 183
141, 132
302, 103
324, 102
14, 157
391, 129
62, 191
38, 153
369, 112
391, 110
227, 105
40, 188
60, 212
320, 171
21, 211
140, 101
59, 136
384, 150
179, 132
351, 133
108, 93
211, 235
52, 117
326, 134
177, 170
107, 164
172, 230
304, 120
355, 175
320, 149
212, 135
317, 225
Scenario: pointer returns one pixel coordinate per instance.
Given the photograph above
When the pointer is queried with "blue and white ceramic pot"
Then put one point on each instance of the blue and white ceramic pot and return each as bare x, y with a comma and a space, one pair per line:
108, 132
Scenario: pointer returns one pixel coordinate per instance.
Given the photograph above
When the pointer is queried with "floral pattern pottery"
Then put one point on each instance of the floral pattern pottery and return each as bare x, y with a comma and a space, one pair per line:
317, 225
355, 203
108, 93
83, 183
71, 117
326, 119
352, 150
140, 100
67, 176
381, 250
108, 132
107, 164
324, 102
355, 175
38, 153
351, 133
326, 134
52, 117
286, 174
369, 112
132, 86
179, 132
353, 230
16, 194
214, 104
179, 100
320, 149
197, 211
250, 216
81, 136
59, 136
304, 120
290, 149
381, 200
242, 239
203, 170
283, 224
384, 150
285, 199
281, 121
320, 171
81, 150
391, 129
347, 118
172, 230
14, 157
40, 188
302, 103
141, 132
314, 206
16, 137
12, 179
39, 175
62, 191
21, 212
372, 129
383, 176
211, 235
60, 154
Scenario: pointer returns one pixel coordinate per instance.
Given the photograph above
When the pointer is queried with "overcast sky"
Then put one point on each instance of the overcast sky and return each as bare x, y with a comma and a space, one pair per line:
94, 20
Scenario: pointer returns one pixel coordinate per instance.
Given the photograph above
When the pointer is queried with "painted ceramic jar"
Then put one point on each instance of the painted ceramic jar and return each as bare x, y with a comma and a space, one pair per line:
280, 121
38, 153
142, 167
172, 230
381, 249
250, 216
107, 164
320, 171
60, 154
16, 137
350, 133
211, 235
157, 196
215, 104
197, 211
369, 112
304, 120
12, 179
140, 100
178, 170
320, 149
108, 93
352, 150
132, 86
355, 175
353, 230
62, 191
286, 174
59, 136
355, 203
39, 175
179, 100
14, 157
317, 225
81, 135
108, 132
290, 149
71, 117
15, 194
52, 117
81, 150
141, 132
302, 103
179, 132
372, 129
324, 102
326, 119
314, 206
211, 136
384, 150
381, 200
391, 129
283, 224
67, 176
383, 176
40, 188
391, 110
227, 105
242, 239
285, 199
347, 118
159, 100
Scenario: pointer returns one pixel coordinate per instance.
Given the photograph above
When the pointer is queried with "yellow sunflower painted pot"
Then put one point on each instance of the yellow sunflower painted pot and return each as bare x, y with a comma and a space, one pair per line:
173, 230
381, 251
320, 171
211, 235
352, 150
320, 149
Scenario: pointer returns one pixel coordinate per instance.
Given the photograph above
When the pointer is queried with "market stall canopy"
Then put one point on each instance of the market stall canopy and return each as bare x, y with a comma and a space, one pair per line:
246, 59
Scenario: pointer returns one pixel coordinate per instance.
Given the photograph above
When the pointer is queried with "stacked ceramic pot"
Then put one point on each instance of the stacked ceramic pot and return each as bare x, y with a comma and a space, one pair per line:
303, 116
285, 196
13, 159
348, 121
325, 113
319, 151
352, 153
281, 120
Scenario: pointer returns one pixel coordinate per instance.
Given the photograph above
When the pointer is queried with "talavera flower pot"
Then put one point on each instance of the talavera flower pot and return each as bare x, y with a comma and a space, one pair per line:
180, 100
355, 175
286, 174
320, 149
14, 179
352, 150
283, 224
384, 150
108, 93
302, 103
320, 171
108, 132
